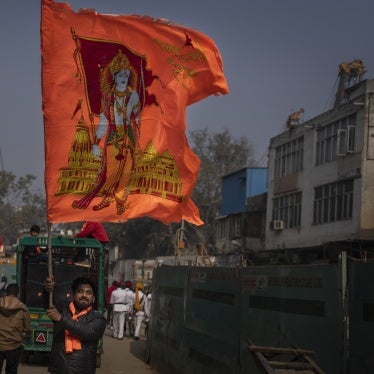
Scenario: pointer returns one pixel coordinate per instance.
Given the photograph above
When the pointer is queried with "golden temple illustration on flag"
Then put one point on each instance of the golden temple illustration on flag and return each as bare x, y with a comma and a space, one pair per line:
153, 174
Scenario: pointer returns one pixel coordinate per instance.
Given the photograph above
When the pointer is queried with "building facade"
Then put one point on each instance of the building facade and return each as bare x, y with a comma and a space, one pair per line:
239, 229
321, 177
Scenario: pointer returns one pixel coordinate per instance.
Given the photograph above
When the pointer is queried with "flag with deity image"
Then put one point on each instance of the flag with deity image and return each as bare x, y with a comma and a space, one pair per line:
115, 90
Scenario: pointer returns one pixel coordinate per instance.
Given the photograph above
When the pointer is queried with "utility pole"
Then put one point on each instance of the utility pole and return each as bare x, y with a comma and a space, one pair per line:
179, 242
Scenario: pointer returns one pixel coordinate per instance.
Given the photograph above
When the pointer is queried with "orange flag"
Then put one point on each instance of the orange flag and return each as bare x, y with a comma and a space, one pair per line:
115, 90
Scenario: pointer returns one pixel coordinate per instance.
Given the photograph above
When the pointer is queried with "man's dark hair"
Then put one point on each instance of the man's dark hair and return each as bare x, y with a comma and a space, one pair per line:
35, 228
82, 280
12, 289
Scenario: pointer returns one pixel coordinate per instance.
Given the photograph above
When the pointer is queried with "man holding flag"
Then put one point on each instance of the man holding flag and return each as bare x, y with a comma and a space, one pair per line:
126, 155
77, 330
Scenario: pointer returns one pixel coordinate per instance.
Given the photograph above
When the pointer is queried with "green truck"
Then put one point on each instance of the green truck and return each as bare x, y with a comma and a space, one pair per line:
31, 275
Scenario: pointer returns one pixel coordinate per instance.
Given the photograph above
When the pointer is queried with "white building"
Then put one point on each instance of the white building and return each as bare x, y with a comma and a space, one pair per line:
321, 177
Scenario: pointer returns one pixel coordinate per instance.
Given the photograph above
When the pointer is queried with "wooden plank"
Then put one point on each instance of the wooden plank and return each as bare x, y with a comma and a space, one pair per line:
256, 348
316, 368
264, 363
307, 366
290, 365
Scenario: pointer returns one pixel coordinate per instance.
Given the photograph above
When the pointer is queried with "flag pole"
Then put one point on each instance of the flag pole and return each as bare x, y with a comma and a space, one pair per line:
50, 270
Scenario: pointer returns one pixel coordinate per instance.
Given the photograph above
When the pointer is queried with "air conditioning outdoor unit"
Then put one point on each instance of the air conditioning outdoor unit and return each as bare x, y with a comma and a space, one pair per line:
278, 225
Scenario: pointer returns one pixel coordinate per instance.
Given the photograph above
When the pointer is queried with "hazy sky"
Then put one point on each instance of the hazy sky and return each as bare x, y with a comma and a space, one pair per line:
279, 56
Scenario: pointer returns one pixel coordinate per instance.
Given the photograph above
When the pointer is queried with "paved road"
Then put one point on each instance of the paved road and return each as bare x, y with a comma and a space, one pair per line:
125, 356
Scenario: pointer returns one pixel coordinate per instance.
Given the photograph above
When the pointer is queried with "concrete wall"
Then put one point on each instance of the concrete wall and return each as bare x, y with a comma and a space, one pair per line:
202, 318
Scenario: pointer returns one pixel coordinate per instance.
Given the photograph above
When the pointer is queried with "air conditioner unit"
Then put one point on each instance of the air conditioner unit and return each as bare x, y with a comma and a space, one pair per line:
278, 225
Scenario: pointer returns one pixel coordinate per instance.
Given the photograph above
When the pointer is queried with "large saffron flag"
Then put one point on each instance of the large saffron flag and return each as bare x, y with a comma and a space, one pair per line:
115, 90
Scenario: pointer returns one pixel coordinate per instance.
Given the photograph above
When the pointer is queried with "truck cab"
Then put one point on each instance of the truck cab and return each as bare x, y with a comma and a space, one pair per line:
31, 275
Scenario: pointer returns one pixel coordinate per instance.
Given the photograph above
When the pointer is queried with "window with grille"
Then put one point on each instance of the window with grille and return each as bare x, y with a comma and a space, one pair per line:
236, 229
287, 208
289, 157
336, 139
333, 202
222, 228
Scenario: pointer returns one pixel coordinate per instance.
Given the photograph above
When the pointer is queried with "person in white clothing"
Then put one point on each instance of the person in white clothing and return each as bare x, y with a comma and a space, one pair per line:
147, 305
120, 307
139, 308
130, 299
147, 309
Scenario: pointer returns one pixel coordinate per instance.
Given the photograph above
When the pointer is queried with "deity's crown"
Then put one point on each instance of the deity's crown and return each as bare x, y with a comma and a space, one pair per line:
119, 62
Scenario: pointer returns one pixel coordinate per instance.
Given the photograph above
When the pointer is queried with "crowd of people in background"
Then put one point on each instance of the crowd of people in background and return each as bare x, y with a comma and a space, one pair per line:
129, 308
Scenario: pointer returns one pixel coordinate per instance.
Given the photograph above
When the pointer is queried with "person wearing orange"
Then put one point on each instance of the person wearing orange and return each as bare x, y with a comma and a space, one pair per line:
77, 329
94, 230
35, 254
